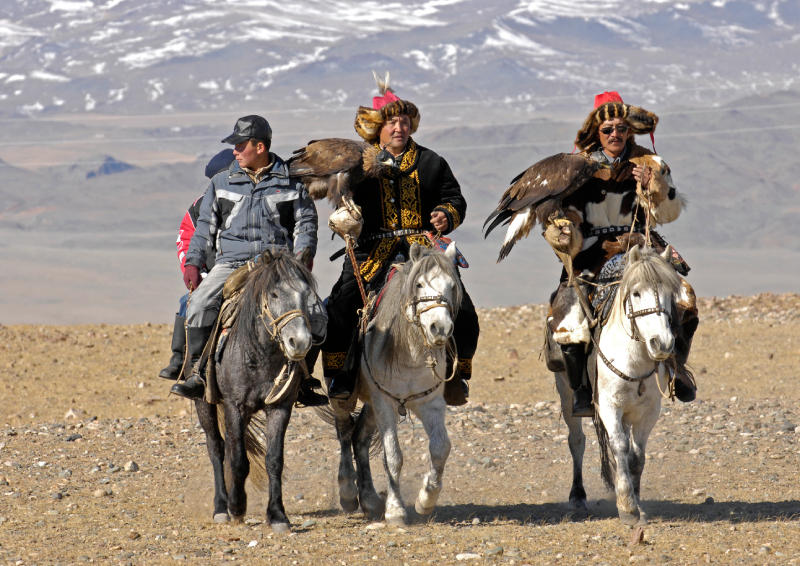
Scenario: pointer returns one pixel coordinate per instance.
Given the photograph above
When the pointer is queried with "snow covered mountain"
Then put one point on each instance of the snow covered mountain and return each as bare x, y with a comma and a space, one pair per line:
152, 56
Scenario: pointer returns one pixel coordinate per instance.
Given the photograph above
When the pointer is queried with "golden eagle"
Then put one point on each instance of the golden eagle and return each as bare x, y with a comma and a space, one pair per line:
536, 195
329, 167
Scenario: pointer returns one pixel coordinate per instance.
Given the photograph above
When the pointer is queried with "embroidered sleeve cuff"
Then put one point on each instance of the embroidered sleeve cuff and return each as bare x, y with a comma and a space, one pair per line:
453, 218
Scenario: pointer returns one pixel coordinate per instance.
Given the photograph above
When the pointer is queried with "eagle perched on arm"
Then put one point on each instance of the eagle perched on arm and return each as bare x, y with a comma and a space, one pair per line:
536, 195
330, 167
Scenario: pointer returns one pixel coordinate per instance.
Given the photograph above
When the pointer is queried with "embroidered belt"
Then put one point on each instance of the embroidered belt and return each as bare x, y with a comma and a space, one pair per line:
392, 234
381, 236
609, 230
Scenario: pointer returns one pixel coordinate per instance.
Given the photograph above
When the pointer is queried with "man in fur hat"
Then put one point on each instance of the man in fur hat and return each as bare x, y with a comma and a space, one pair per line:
419, 194
598, 216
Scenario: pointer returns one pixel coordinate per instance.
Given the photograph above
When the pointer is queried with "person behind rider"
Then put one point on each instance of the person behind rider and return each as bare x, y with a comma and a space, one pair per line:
604, 208
420, 194
219, 162
252, 206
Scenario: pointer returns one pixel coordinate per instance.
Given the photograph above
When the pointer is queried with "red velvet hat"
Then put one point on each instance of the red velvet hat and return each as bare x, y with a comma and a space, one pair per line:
612, 96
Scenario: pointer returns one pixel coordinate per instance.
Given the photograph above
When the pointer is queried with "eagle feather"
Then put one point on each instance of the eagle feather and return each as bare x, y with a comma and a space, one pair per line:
536, 194
330, 167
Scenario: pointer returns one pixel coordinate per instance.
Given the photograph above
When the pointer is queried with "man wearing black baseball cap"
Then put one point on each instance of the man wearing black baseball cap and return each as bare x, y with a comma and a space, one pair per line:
251, 206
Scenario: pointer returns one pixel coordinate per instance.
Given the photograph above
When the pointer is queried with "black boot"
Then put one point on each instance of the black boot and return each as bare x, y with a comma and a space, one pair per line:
685, 389
575, 362
194, 387
344, 382
306, 396
173, 370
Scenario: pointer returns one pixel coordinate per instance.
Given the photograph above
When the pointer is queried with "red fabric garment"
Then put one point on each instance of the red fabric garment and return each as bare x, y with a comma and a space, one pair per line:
186, 231
607, 96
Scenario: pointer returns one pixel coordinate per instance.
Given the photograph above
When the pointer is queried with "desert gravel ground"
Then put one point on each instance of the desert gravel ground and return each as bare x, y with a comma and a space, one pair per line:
99, 465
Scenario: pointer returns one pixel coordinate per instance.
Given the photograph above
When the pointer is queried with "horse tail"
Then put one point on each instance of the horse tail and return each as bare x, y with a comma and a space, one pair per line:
326, 414
255, 444
608, 465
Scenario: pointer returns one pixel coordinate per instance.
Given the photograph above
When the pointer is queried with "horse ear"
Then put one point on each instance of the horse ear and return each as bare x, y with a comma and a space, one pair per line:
266, 257
306, 257
451, 253
416, 252
635, 254
667, 255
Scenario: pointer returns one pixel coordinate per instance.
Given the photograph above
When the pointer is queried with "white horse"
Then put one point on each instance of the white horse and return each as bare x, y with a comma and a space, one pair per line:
402, 369
629, 369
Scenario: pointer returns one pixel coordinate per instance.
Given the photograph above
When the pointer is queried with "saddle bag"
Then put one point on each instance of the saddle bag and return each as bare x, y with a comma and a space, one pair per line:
551, 352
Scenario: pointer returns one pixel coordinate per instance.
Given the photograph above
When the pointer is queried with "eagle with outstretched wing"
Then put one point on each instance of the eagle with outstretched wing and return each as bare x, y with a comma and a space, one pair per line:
536, 194
330, 167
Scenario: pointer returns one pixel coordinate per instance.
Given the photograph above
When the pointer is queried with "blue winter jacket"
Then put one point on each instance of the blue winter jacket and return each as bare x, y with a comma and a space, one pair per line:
240, 220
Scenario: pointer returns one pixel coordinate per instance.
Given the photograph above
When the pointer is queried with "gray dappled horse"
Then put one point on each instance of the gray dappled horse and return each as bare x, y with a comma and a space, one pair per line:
411, 327
271, 329
631, 357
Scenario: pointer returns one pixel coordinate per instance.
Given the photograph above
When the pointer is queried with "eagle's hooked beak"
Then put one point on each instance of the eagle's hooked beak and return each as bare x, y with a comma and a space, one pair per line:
385, 158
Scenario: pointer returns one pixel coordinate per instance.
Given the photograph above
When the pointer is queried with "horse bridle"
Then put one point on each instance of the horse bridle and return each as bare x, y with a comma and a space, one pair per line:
276, 324
436, 301
633, 315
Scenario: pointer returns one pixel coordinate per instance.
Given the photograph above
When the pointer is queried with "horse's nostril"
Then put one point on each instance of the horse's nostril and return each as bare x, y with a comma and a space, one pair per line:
655, 345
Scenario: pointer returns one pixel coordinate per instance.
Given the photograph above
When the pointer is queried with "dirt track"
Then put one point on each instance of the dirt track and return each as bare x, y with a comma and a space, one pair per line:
720, 485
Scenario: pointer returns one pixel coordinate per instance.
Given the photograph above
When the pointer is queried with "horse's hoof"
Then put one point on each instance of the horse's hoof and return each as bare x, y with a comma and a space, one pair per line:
631, 519
580, 512
237, 520
398, 520
373, 506
642, 520
220, 518
281, 528
348, 505
422, 510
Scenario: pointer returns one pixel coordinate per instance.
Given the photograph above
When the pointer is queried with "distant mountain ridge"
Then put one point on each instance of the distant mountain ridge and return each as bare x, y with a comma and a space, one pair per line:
152, 56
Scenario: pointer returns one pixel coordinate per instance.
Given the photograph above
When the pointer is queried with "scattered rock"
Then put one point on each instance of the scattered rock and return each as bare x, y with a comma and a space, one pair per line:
468, 556
496, 551
56, 496
133, 535
764, 550
376, 526
637, 536
76, 414
476, 521
299, 497
253, 522
512, 354
65, 474
131, 466
252, 544
728, 355
309, 523
179, 557
709, 501
697, 492
73, 437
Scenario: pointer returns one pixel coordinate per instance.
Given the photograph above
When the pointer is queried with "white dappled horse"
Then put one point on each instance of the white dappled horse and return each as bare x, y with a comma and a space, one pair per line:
629, 369
402, 369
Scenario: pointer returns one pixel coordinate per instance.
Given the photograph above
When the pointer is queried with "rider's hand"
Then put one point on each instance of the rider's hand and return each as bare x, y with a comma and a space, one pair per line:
191, 277
439, 220
642, 175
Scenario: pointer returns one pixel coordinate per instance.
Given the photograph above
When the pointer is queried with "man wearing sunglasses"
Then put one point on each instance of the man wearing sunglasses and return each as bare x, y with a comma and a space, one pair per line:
608, 214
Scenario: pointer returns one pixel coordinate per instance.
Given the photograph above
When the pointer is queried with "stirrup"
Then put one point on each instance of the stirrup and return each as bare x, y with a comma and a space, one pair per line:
193, 388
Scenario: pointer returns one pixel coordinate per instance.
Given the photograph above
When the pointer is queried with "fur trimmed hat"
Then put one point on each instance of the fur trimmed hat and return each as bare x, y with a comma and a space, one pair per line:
369, 121
608, 106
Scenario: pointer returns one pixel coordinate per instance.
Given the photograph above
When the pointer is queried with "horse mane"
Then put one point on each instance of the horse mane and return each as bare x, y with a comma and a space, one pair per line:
391, 318
283, 267
650, 269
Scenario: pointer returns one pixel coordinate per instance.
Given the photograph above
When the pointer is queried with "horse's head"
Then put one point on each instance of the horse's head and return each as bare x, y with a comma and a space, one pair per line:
433, 292
284, 288
648, 290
